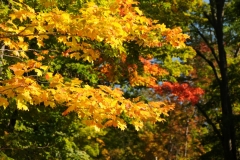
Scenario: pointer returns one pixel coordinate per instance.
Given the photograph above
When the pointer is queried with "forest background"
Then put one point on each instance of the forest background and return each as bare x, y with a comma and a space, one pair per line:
119, 79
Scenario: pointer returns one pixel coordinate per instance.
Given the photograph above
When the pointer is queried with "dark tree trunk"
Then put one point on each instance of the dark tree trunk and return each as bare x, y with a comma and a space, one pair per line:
228, 130
227, 136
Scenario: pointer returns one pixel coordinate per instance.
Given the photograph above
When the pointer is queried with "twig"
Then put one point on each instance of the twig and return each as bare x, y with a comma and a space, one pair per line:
210, 122
208, 44
210, 63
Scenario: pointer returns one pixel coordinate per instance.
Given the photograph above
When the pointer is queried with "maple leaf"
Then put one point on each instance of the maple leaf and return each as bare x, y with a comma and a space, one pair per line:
21, 105
18, 69
39, 72
76, 36
183, 92
3, 102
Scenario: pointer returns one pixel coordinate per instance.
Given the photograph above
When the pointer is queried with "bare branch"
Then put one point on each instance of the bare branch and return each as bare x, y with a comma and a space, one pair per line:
13, 57
236, 52
209, 121
210, 63
211, 20
19, 50
213, 13
37, 34
208, 44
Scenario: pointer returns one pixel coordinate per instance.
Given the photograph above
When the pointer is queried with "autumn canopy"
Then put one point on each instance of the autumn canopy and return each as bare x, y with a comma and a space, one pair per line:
115, 39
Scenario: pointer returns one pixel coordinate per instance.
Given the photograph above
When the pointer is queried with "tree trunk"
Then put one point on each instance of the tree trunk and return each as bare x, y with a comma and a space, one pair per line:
228, 131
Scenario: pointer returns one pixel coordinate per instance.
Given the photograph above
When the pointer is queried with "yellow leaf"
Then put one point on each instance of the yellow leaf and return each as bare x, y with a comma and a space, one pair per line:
49, 103
31, 37
69, 109
16, 53
108, 123
99, 38
88, 58
44, 96
18, 72
30, 9
24, 46
44, 36
44, 67
137, 124
62, 39
21, 105
49, 75
114, 103
23, 55
9, 93
75, 82
21, 39
40, 58
45, 51
12, 16
40, 42
76, 55
3, 102
138, 11
39, 72
121, 124
53, 91
101, 105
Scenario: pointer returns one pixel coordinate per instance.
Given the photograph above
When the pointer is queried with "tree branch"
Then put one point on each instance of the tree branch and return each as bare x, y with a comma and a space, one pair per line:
213, 13
212, 21
37, 34
210, 64
208, 44
13, 57
209, 121
236, 52
19, 50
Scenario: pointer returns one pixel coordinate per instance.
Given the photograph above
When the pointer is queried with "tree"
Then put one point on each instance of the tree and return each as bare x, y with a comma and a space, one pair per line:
77, 55
80, 36
179, 136
214, 36
219, 46
42, 133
